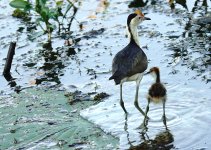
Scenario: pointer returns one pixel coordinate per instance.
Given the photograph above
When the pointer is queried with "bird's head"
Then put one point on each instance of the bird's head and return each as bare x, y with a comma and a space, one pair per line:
136, 18
154, 71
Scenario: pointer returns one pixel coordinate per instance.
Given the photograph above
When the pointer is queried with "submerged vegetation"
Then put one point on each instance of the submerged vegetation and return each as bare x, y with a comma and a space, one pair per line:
18, 13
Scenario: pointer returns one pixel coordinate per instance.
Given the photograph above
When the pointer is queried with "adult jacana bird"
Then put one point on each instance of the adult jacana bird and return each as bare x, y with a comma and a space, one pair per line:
130, 63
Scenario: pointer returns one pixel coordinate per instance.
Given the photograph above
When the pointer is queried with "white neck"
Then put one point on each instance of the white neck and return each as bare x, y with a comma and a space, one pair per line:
134, 32
154, 76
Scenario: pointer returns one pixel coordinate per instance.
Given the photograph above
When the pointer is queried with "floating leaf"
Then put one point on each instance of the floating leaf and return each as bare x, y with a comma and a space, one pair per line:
20, 4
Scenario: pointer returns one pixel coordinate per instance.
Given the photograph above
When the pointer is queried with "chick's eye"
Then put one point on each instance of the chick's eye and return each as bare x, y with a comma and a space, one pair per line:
139, 17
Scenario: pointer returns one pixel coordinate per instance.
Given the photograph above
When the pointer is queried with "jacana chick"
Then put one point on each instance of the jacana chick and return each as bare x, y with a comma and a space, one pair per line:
157, 92
130, 63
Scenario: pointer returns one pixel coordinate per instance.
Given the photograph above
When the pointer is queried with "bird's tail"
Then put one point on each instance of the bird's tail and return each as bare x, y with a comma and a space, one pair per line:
116, 79
112, 77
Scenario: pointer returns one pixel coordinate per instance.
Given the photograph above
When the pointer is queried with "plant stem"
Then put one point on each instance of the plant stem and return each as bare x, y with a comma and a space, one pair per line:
10, 55
75, 9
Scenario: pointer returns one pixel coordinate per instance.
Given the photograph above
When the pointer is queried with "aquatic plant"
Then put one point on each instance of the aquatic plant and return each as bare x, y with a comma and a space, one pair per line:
21, 14
46, 14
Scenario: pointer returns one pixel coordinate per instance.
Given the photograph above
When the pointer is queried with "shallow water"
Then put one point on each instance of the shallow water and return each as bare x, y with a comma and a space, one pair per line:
171, 40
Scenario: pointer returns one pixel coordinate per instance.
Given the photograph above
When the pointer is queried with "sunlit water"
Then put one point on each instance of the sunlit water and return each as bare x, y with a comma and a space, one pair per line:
182, 59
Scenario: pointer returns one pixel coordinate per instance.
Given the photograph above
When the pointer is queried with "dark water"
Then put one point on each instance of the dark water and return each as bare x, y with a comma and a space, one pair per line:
177, 40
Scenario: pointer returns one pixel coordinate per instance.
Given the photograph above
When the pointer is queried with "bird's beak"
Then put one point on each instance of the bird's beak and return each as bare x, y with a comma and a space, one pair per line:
146, 18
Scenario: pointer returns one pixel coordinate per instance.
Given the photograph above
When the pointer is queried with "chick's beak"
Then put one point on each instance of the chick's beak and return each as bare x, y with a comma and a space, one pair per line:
147, 73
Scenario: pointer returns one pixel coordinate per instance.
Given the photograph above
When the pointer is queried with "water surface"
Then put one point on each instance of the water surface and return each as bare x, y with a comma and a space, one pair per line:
175, 40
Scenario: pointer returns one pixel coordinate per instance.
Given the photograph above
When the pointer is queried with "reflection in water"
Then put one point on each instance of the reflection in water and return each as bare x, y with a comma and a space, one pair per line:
10, 79
126, 129
162, 141
12, 83
138, 3
180, 2
71, 51
55, 60
7, 67
145, 123
193, 46
52, 66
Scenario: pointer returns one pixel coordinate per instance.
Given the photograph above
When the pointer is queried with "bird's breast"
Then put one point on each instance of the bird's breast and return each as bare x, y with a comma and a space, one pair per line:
157, 99
134, 77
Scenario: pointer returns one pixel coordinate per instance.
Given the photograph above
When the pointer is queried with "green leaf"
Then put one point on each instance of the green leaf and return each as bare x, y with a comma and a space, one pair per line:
39, 5
55, 13
20, 4
45, 14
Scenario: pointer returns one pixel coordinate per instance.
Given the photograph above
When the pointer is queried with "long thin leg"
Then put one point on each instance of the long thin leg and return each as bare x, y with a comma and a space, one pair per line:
121, 100
164, 114
136, 99
147, 109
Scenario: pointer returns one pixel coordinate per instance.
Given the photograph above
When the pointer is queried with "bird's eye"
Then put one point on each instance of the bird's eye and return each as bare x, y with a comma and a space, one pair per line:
139, 17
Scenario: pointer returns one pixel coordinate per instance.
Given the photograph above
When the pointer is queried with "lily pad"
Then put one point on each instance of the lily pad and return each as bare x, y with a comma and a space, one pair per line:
41, 119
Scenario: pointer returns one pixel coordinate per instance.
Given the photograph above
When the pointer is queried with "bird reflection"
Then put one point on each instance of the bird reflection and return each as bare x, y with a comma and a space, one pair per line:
163, 140
126, 130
